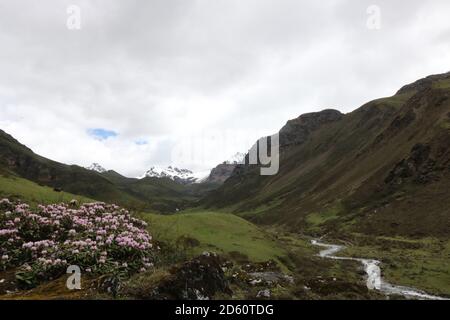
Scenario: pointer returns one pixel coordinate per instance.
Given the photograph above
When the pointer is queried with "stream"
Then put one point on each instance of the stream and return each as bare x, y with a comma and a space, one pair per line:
373, 271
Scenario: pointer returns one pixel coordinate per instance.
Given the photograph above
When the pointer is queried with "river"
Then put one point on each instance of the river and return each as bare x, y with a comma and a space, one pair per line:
373, 271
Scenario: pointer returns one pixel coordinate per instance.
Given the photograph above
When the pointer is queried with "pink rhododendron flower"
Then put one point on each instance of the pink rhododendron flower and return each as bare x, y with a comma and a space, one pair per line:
85, 236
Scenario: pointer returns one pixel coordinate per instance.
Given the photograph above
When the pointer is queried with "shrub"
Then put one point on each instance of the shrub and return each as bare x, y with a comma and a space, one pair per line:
97, 237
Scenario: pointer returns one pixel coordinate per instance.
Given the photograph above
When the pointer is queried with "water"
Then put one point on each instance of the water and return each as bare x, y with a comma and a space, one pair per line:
373, 271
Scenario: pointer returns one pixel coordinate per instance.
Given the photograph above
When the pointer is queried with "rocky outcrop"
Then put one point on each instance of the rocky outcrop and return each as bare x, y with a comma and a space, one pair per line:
424, 83
220, 173
418, 166
198, 279
296, 131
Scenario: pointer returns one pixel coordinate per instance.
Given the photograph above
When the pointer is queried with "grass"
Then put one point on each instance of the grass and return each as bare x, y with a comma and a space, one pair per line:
445, 124
317, 219
396, 100
316, 222
254, 212
32, 193
226, 233
219, 232
442, 84
419, 263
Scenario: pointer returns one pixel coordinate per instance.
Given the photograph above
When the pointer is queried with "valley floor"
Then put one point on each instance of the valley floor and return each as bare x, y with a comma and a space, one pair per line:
270, 261
420, 263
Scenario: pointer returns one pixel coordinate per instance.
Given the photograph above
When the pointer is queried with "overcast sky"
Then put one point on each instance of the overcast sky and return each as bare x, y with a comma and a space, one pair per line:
190, 82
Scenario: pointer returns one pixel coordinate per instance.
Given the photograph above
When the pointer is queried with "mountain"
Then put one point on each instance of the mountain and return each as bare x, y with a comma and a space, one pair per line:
383, 169
161, 194
183, 176
220, 173
19, 160
96, 167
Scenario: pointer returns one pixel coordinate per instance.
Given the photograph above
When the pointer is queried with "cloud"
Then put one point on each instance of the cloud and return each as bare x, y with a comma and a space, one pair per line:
171, 72
141, 142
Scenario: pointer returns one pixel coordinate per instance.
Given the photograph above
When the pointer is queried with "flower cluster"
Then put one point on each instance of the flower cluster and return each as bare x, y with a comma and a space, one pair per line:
97, 237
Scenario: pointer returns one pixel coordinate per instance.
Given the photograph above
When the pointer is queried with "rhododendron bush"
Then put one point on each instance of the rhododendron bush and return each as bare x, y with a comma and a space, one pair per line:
97, 237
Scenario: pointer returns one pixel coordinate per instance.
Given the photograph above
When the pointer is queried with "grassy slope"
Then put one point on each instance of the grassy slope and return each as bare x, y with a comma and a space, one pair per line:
219, 232
17, 188
311, 174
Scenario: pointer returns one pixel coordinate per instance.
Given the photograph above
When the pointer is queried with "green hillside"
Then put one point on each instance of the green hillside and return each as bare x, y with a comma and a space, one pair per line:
383, 169
29, 192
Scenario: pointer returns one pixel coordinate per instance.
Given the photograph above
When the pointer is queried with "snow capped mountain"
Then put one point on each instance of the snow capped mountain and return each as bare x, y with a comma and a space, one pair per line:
96, 167
184, 176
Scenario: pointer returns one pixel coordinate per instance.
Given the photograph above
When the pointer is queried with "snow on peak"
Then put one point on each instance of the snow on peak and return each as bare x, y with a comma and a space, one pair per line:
96, 167
179, 175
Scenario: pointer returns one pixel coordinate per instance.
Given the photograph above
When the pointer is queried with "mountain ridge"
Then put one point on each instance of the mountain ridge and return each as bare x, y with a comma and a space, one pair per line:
336, 170
154, 194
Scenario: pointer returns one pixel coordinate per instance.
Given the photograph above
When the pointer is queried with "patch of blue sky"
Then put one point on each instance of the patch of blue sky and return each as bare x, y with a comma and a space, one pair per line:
102, 134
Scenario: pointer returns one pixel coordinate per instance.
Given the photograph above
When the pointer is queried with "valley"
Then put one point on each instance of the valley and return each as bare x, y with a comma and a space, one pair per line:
374, 182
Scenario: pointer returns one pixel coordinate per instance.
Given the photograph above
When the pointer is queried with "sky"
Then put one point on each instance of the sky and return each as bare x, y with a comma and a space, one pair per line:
188, 83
